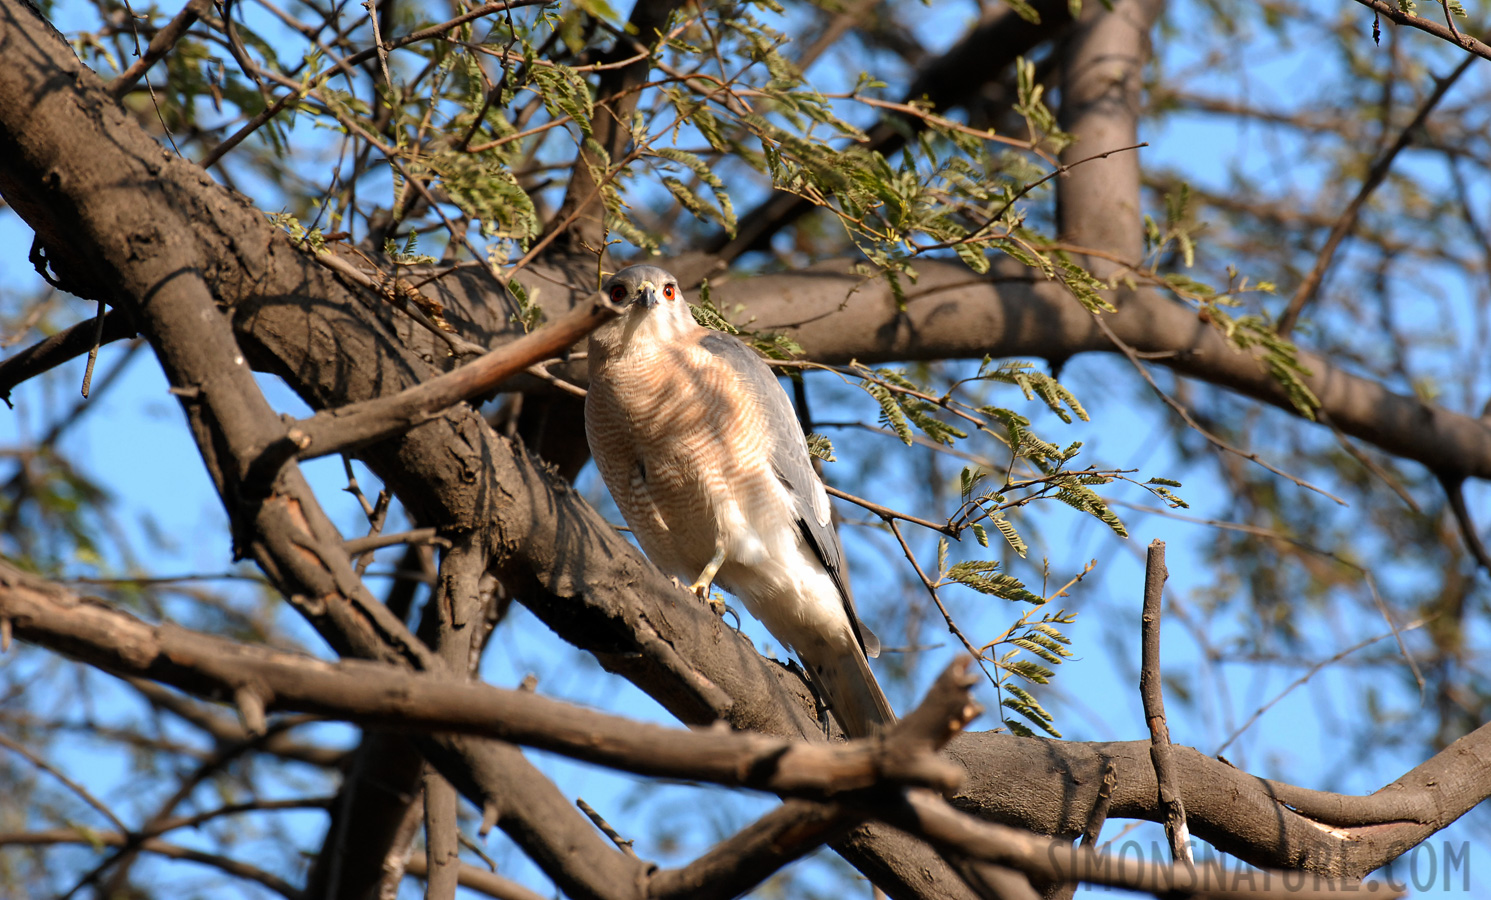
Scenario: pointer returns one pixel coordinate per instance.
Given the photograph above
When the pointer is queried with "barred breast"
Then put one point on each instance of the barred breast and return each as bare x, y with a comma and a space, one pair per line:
699, 467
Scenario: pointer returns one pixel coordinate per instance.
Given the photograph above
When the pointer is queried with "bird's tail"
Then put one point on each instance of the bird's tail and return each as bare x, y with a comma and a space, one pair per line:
853, 695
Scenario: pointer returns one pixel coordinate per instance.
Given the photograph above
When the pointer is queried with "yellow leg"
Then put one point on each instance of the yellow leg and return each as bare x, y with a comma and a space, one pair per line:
701, 585
711, 569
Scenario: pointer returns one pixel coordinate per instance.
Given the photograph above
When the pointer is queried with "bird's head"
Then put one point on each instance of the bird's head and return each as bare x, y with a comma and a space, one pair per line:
652, 311
642, 288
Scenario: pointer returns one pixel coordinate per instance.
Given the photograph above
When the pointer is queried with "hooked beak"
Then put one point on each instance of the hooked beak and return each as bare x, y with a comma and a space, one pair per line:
648, 296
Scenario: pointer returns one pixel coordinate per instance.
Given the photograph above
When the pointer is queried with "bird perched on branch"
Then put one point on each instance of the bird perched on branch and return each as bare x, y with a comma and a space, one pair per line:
699, 445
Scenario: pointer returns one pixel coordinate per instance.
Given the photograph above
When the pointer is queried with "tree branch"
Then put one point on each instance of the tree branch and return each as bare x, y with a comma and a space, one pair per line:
1152, 691
349, 427
153, 845
160, 45
378, 694
1266, 823
926, 814
442, 844
947, 81
65, 345
1393, 13
1348, 218
837, 317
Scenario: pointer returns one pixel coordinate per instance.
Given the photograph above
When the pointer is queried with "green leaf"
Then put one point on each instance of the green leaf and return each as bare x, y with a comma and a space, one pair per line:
1023, 703
890, 410
1011, 536
726, 214
820, 447
973, 257
1031, 671
984, 576
968, 479
1018, 729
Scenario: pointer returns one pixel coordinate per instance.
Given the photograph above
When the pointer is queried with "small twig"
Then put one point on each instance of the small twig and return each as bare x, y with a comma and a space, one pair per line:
160, 45
1016, 197
375, 528
1303, 679
56, 773
476, 848
95, 839
362, 545
1347, 221
538, 371
1094, 826
1152, 693
1392, 13
378, 45
932, 118
1454, 490
63, 346
1196, 426
947, 617
1099, 813
600, 822
1368, 462
149, 580
356, 490
390, 288
251, 715
886, 513
98, 339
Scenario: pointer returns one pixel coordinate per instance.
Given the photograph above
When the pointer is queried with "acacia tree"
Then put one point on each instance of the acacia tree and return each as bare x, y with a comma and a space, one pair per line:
956, 209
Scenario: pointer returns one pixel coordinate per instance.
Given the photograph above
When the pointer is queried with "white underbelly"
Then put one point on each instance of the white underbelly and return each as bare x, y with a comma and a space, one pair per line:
791, 593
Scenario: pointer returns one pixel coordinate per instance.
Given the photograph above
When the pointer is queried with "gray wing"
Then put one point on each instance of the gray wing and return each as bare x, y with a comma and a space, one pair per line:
794, 468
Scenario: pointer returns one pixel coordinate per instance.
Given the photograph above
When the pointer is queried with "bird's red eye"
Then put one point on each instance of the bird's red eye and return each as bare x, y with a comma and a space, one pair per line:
618, 293
668, 291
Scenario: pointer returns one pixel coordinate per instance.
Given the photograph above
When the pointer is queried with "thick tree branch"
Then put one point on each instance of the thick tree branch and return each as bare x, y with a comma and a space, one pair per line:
926, 814
740, 862
388, 696
1266, 823
378, 693
1098, 203
442, 841
950, 313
